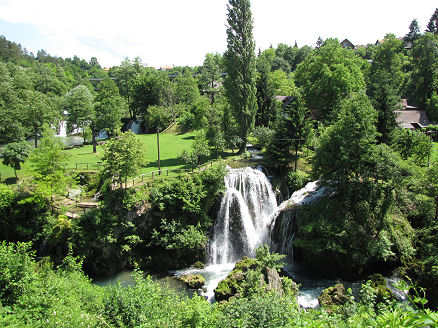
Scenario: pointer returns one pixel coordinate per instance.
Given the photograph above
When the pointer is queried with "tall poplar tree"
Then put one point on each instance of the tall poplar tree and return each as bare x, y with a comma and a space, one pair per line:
240, 63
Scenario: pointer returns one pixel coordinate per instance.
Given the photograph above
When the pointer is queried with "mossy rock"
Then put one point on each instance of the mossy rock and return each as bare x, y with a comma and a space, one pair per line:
378, 282
193, 281
333, 296
228, 287
223, 291
246, 264
199, 265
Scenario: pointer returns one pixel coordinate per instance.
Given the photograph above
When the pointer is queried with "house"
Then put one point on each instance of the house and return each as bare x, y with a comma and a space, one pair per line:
411, 117
347, 44
286, 100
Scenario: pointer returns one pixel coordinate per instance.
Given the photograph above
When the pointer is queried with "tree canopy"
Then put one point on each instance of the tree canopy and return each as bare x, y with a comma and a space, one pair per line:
240, 63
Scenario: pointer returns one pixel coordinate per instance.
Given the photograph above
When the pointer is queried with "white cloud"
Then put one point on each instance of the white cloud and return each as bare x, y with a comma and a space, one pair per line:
175, 32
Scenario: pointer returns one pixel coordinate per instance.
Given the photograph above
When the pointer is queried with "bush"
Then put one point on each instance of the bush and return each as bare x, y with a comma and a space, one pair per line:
297, 180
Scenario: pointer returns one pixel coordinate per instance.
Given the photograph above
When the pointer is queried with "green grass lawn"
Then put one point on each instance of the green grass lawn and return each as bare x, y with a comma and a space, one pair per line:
170, 146
434, 156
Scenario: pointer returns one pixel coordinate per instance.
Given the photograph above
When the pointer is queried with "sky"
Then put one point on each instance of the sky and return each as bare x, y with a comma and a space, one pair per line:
182, 32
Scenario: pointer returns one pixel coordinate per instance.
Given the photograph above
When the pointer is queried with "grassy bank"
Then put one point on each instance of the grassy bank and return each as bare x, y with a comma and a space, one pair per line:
170, 146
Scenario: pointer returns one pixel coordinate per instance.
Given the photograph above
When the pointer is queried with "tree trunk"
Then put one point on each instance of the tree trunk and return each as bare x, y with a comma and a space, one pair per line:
158, 148
242, 148
93, 134
296, 154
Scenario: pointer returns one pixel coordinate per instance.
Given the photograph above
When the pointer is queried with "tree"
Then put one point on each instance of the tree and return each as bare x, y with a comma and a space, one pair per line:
215, 134
186, 89
385, 82
125, 75
14, 154
147, 91
199, 149
414, 32
424, 77
210, 75
412, 144
123, 157
347, 147
265, 93
432, 26
159, 118
38, 110
240, 63
328, 75
48, 163
108, 108
292, 132
78, 102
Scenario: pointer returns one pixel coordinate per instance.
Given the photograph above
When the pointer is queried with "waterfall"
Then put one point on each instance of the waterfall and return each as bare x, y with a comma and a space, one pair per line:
243, 217
135, 127
283, 220
62, 129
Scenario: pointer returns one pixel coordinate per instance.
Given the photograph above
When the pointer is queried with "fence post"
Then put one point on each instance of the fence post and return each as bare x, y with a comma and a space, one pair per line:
167, 172
76, 166
153, 175
142, 178
87, 166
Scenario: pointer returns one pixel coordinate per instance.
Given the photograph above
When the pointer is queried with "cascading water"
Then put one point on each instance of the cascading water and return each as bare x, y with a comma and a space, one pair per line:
242, 221
282, 230
62, 129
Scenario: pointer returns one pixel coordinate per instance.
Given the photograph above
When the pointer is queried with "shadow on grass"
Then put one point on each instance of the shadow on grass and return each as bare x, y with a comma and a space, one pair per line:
165, 163
10, 181
189, 138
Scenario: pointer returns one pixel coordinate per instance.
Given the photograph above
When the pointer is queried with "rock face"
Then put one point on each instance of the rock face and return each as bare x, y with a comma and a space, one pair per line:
333, 296
193, 281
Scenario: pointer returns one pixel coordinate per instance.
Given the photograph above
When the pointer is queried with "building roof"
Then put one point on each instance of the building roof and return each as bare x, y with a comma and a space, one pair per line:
411, 119
347, 44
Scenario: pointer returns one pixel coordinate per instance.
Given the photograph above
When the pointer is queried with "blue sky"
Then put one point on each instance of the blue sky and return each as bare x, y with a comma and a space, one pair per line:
176, 32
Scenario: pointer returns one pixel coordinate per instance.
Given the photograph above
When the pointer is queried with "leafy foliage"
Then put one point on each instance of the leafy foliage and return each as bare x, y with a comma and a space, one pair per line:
240, 63
123, 157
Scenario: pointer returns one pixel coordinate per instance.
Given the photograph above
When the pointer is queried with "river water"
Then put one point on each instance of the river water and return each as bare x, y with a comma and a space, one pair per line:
247, 213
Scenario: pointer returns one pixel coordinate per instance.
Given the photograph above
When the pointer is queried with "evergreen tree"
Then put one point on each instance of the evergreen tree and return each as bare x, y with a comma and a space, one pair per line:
432, 26
347, 147
385, 82
240, 63
291, 134
265, 93
414, 31
424, 77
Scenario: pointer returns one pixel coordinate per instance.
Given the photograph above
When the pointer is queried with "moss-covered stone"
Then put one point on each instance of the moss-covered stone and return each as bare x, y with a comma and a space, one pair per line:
199, 265
333, 296
193, 281
249, 277
378, 282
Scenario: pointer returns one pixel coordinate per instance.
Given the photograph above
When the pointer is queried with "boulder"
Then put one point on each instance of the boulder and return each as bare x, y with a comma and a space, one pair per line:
333, 296
193, 281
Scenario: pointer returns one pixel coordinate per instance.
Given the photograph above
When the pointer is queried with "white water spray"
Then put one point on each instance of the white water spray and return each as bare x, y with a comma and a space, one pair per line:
242, 221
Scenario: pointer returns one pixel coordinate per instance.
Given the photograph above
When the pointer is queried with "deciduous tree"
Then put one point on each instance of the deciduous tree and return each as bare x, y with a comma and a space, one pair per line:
108, 108
328, 75
14, 154
123, 157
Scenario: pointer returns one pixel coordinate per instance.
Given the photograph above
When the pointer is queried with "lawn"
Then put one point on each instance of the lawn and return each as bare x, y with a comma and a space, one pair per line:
434, 156
170, 146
